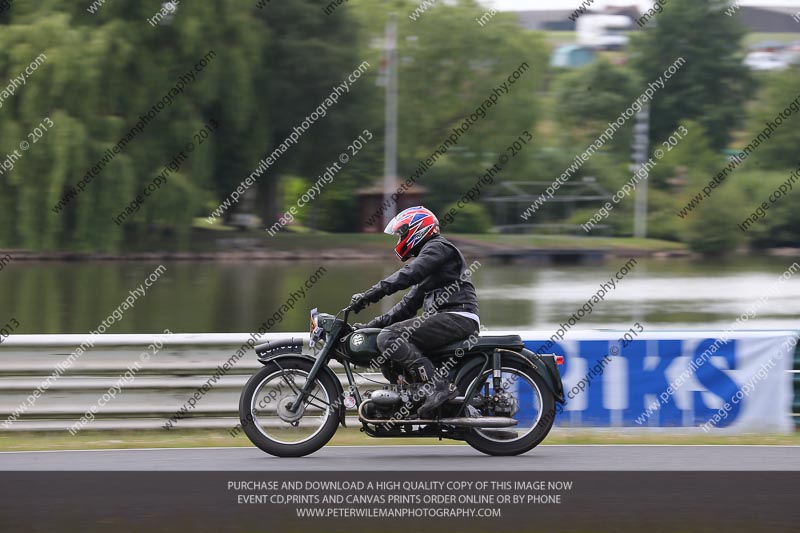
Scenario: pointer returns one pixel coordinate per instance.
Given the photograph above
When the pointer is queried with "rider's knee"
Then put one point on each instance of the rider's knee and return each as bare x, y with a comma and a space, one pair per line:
385, 339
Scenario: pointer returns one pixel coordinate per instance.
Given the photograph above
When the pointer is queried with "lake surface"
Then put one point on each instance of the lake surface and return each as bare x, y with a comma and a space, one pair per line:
194, 297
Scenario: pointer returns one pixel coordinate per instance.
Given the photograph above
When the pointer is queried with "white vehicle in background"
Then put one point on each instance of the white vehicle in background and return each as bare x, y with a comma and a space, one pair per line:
765, 61
604, 32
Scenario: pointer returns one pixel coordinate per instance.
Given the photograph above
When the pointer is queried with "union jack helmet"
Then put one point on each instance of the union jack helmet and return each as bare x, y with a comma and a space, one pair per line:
413, 227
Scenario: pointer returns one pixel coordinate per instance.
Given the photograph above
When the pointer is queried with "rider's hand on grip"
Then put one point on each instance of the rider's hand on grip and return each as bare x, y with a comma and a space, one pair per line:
358, 302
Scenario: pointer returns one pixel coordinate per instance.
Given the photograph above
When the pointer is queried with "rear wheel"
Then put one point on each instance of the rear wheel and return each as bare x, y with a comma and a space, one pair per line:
530, 402
266, 415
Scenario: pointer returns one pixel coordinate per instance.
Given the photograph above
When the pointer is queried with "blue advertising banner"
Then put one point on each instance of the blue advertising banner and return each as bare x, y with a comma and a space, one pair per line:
714, 380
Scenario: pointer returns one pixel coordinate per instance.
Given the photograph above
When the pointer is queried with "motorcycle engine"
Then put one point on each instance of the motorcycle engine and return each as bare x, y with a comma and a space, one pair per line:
385, 398
393, 401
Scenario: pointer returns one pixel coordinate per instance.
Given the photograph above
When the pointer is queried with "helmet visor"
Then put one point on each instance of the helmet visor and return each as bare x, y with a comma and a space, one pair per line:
395, 228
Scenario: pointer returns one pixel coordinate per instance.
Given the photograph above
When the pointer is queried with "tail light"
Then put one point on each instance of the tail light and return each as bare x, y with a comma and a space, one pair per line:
559, 359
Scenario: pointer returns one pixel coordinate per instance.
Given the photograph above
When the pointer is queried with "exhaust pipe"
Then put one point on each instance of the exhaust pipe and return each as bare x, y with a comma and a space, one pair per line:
470, 422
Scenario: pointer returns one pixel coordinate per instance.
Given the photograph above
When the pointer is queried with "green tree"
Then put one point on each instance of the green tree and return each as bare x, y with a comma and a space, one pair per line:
779, 224
102, 73
472, 218
712, 86
265, 71
779, 95
587, 99
711, 228
308, 54
449, 66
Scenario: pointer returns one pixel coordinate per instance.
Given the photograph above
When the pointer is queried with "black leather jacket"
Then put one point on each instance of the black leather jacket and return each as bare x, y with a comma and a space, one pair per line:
438, 280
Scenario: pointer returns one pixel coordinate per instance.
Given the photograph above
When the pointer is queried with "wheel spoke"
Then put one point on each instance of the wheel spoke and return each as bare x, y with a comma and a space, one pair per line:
289, 380
271, 412
326, 404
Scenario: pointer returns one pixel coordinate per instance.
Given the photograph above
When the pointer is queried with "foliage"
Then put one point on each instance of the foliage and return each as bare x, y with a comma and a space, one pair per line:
712, 86
449, 66
472, 218
779, 224
274, 66
661, 220
780, 92
102, 73
710, 228
587, 99
105, 70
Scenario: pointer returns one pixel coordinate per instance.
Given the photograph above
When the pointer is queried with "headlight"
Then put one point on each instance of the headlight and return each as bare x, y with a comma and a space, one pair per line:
316, 333
314, 315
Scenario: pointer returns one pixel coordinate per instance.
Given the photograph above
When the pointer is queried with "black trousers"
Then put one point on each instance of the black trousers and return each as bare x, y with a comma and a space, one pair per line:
405, 342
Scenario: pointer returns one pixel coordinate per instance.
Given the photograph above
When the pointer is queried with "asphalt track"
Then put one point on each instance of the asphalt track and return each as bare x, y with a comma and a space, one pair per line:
426, 457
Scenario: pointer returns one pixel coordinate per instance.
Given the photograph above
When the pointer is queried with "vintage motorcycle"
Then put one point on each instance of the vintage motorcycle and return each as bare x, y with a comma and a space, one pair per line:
505, 405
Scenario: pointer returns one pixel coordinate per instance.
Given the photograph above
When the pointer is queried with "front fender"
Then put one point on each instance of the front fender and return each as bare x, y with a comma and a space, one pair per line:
280, 356
269, 349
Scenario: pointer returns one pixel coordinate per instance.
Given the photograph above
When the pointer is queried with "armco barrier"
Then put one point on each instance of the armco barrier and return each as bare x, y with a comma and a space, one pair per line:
184, 364
187, 361
796, 404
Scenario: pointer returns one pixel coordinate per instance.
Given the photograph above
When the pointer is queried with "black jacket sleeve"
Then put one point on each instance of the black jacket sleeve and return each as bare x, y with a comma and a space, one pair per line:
403, 310
432, 256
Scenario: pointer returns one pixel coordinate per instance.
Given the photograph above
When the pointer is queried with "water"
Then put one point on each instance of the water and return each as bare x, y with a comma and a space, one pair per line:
66, 297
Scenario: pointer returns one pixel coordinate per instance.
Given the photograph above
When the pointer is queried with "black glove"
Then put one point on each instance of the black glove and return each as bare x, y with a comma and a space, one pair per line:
358, 303
360, 300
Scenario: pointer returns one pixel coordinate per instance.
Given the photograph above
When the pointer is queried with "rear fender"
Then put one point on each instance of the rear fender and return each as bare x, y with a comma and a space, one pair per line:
547, 367
527, 358
468, 366
284, 357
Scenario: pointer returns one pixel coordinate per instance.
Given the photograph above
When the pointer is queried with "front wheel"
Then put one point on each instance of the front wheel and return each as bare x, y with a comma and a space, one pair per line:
267, 417
529, 401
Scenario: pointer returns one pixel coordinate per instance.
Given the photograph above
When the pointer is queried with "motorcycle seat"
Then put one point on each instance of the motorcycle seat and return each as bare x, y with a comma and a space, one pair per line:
510, 342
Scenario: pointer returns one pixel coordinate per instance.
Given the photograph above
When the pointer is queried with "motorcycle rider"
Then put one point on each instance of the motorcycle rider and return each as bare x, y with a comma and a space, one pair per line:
439, 281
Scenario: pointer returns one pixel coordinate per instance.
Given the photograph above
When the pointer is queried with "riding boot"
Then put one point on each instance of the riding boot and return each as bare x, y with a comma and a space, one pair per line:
436, 388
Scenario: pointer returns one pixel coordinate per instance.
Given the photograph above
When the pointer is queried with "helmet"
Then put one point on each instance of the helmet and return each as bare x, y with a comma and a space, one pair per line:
413, 227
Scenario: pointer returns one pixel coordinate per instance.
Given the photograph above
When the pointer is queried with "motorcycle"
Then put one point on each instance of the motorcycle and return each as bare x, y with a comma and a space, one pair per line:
505, 402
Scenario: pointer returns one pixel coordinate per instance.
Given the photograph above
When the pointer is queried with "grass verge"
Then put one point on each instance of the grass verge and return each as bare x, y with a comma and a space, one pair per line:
97, 440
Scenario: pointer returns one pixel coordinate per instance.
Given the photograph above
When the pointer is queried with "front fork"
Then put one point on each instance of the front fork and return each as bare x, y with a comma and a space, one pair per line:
321, 361
305, 391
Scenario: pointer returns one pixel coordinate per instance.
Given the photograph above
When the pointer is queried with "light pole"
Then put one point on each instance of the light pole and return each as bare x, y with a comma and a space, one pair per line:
390, 145
641, 147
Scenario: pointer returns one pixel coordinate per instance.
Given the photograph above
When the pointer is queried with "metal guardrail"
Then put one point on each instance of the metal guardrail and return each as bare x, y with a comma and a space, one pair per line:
796, 403
164, 383
160, 388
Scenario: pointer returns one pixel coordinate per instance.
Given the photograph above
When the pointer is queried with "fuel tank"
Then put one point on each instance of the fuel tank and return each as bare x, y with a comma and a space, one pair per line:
363, 346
